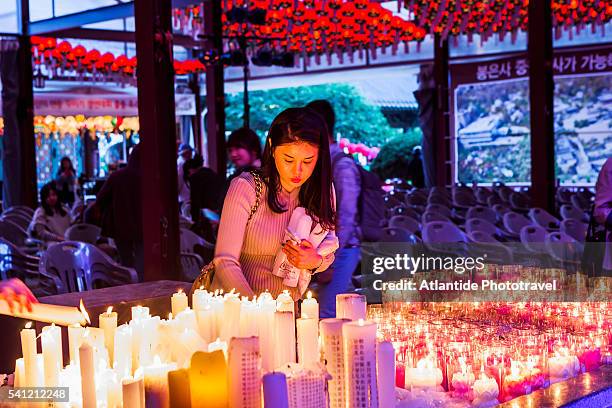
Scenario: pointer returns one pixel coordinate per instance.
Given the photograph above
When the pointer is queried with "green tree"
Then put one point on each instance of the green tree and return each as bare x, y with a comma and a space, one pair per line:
395, 156
356, 120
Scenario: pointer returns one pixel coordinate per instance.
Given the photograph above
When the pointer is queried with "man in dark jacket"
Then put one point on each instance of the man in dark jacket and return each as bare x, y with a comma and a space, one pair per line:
120, 210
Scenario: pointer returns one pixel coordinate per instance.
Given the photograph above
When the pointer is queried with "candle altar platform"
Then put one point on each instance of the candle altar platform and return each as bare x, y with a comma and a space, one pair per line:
155, 295
590, 389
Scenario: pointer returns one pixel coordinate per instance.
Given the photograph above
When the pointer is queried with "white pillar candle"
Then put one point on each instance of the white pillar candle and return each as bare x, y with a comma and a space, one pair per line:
200, 299
424, 375
351, 306
284, 333
19, 379
132, 392
275, 390
360, 364
88, 385
179, 302
187, 320
122, 360
310, 307
265, 328
96, 340
485, 389
333, 354
29, 352
218, 345
139, 312
188, 342
244, 372
230, 323
206, 323
113, 390
285, 303
108, 323
308, 341
51, 340
60, 315
248, 318
385, 368
75, 337
561, 368
156, 383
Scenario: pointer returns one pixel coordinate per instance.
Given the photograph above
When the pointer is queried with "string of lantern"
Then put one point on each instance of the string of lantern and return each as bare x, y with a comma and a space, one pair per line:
324, 27
60, 58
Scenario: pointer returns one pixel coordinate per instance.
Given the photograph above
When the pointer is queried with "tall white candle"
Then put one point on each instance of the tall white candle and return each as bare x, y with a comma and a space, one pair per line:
285, 303
156, 383
179, 302
333, 355
51, 340
425, 375
122, 360
248, 318
360, 364
200, 299
284, 333
230, 325
75, 337
244, 372
29, 352
265, 328
108, 323
308, 341
206, 323
19, 379
60, 315
113, 389
351, 306
187, 320
385, 362
310, 307
88, 385
139, 312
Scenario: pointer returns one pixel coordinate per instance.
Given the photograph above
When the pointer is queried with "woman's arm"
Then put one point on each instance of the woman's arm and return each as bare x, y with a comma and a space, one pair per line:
15, 291
236, 209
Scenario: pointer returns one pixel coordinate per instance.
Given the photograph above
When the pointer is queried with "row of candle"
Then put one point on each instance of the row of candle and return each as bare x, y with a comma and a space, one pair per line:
482, 351
217, 354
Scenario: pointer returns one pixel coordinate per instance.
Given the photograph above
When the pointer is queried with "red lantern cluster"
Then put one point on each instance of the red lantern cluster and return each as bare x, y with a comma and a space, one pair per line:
500, 17
63, 55
369, 153
313, 27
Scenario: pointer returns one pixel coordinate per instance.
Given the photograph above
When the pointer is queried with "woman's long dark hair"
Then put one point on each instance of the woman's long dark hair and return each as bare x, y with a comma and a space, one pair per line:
44, 194
302, 125
247, 139
60, 170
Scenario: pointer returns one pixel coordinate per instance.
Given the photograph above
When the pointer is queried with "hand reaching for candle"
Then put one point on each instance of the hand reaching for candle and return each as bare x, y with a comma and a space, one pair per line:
303, 256
15, 291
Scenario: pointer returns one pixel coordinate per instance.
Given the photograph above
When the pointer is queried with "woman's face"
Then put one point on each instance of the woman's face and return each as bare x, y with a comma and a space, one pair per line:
241, 157
51, 199
65, 164
295, 163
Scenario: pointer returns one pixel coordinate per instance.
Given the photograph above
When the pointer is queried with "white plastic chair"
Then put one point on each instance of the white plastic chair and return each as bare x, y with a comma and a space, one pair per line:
434, 216
483, 213
533, 238
575, 229
439, 209
519, 201
191, 266
482, 225
438, 232
401, 221
563, 248
20, 219
544, 219
568, 211
514, 222
87, 233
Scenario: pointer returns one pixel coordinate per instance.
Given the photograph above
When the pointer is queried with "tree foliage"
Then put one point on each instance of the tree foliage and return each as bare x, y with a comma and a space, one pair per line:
356, 120
395, 156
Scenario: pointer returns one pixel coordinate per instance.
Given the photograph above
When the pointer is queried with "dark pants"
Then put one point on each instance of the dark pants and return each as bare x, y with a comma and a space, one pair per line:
131, 255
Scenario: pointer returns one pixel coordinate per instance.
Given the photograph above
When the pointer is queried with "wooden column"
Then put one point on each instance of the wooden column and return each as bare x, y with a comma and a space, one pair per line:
25, 110
541, 89
215, 99
442, 112
156, 113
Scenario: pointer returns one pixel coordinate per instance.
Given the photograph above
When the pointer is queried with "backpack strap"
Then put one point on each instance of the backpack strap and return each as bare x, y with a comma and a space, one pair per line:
258, 190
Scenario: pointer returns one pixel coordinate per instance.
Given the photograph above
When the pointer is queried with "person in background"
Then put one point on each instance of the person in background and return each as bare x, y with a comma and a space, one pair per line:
120, 215
415, 168
185, 152
244, 150
207, 190
347, 182
14, 291
51, 219
603, 210
66, 182
296, 172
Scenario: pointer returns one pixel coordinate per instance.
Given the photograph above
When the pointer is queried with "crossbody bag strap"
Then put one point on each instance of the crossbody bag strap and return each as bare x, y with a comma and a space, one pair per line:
258, 190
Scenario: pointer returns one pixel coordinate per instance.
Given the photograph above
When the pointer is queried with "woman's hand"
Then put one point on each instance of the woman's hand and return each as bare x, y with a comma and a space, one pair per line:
303, 256
14, 291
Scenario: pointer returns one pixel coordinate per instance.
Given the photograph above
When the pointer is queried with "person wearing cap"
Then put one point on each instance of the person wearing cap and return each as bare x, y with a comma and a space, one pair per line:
185, 152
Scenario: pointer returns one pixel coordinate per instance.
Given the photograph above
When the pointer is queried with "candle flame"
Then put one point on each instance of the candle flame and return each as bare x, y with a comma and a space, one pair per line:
109, 310
360, 322
201, 287
309, 295
232, 291
179, 291
170, 316
84, 312
28, 325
